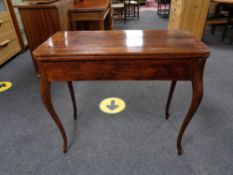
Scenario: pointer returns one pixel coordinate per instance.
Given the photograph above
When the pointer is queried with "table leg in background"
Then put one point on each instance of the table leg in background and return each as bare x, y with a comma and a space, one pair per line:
101, 25
71, 89
172, 88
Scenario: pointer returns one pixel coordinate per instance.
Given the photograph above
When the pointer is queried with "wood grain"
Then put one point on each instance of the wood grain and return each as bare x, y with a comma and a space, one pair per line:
189, 15
128, 44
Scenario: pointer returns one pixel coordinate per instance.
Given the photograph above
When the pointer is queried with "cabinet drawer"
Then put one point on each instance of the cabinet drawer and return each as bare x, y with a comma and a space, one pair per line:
9, 46
5, 25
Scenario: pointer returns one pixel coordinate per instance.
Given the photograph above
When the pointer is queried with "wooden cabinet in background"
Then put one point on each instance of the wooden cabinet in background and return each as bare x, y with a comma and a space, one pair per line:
40, 21
189, 15
9, 42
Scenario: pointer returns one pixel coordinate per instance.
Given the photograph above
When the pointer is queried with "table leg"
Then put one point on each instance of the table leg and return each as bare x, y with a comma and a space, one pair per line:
172, 88
101, 25
45, 87
73, 25
109, 19
71, 89
197, 86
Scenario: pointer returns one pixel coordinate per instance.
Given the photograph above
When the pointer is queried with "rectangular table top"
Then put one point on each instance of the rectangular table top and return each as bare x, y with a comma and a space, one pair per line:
134, 44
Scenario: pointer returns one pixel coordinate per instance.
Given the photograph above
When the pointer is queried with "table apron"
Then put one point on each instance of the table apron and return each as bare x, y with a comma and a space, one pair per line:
183, 69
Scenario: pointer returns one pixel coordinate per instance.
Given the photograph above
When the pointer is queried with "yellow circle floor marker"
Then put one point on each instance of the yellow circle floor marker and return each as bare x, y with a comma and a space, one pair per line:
112, 105
5, 85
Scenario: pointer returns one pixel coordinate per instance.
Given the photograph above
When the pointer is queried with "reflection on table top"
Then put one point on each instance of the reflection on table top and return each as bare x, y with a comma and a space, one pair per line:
126, 42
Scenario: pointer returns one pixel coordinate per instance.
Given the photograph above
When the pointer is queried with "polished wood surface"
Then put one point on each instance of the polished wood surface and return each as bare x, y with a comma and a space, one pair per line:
135, 43
223, 1
134, 55
91, 15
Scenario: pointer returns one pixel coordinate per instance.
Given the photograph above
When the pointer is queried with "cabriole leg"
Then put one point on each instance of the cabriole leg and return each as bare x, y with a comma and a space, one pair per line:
197, 87
45, 87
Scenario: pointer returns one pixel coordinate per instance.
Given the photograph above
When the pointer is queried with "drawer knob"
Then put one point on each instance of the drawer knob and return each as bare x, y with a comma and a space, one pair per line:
4, 43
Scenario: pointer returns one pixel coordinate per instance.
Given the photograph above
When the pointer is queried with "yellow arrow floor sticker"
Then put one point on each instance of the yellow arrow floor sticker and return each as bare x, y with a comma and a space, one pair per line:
5, 85
112, 105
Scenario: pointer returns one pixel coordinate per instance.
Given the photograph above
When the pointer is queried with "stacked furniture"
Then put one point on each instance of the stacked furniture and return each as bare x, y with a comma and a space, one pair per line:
9, 42
189, 15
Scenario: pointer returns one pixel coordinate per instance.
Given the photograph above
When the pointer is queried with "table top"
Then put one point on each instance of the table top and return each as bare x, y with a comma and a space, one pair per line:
223, 1
131, 43
91, 5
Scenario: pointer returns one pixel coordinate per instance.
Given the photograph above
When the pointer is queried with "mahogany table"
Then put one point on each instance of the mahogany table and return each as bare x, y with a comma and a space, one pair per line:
91, 15
122, 55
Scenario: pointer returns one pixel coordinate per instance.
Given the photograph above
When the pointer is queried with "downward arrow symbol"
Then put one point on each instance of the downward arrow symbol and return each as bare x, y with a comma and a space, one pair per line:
2, 85
112, 106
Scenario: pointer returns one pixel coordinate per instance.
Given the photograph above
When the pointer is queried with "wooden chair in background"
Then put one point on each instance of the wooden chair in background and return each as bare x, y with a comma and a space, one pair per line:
163, 8
222, 15
132, 8
229, 10
119, 9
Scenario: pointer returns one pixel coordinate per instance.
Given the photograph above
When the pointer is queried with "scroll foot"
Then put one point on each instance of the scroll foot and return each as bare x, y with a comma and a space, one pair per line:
179, 150
65, 150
